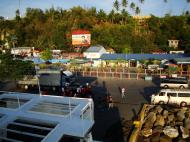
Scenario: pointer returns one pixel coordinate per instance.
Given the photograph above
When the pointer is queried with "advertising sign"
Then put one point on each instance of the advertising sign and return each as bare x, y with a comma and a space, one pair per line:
81, 38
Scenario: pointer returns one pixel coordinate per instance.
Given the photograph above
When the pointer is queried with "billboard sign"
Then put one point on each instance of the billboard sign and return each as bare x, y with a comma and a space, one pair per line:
81, 37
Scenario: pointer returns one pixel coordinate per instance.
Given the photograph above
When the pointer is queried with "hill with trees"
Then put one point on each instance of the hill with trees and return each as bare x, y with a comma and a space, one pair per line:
117, 29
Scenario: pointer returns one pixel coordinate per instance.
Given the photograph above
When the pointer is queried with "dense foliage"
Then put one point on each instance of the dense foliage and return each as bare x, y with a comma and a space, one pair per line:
117, 29
11, 68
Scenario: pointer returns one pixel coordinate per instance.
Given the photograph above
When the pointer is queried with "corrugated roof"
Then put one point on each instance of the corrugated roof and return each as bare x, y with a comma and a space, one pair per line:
143, 56
94, 49
183, 60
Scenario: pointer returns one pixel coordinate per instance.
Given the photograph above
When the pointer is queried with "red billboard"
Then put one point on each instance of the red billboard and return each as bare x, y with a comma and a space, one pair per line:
81, 37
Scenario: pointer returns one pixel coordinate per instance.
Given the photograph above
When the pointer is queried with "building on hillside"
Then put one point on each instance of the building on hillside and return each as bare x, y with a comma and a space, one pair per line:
141, 22
34, 118
133, 60
72, 55
173, 43
110, 51
177, 52
94, 52
141, 19
22, 51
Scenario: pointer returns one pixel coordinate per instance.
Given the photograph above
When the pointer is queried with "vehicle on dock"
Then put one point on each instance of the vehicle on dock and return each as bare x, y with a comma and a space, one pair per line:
174, 82
47, 79
172, 96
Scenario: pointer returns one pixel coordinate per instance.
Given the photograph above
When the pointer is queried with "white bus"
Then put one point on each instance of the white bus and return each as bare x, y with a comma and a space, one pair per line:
178, 82
172, 96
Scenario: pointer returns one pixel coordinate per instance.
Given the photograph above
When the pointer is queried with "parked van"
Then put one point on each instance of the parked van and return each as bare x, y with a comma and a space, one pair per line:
177, 82
172, 96
153, 67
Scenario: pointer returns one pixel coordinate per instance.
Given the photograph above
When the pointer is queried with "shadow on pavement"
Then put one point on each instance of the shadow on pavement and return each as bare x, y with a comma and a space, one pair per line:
108, 125
148, 91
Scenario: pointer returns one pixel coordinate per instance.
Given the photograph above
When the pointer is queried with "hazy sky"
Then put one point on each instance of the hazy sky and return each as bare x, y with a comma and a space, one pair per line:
155, 7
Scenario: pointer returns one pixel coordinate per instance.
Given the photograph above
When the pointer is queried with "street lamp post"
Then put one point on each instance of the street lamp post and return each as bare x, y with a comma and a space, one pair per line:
37, 68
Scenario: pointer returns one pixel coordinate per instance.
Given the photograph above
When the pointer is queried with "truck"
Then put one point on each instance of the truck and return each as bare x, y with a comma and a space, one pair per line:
48, 79
157, 123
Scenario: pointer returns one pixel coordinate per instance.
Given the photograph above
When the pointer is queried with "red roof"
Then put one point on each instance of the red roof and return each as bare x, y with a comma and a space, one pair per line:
78, 32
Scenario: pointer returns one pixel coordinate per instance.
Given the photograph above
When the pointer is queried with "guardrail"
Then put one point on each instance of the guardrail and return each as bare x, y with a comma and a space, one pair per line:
122, 75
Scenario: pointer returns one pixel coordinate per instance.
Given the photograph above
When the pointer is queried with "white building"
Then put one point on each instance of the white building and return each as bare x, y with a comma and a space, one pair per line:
22, 51
173, 43
94, 52
34, 118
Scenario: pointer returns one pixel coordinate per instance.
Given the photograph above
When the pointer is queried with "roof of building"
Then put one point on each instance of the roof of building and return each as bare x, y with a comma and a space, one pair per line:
183, 60
95, 48
142, 56
21, 48
31, 117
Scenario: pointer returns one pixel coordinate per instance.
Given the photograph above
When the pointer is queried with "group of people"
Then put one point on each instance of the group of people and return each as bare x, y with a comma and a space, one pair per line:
76, 90
110, 99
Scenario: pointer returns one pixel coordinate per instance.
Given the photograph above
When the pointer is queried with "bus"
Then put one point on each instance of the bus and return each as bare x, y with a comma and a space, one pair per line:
177, 82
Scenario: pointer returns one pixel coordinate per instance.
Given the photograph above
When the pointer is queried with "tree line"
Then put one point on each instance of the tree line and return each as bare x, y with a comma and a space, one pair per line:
117, 29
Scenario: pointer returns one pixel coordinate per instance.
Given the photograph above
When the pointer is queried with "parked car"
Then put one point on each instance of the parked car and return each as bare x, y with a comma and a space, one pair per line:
172, 96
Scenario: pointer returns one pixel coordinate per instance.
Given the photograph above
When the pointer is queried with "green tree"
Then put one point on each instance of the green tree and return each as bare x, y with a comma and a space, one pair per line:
46, 54
141, 1
116, 5
137, 10
132, 5
124, 3
14, 69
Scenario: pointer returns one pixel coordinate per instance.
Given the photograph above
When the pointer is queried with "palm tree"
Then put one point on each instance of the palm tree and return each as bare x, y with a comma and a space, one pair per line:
137, 10
132, 6
116, 5
111, 16
124, 15
124, 3
141, 1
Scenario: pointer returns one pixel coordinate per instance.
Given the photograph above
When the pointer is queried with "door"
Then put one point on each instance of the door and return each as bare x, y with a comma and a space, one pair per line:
173, 97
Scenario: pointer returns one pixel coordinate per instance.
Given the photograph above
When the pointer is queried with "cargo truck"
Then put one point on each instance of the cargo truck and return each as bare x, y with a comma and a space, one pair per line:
48, 79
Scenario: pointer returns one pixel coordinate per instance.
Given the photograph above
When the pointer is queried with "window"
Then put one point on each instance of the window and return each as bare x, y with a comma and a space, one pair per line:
184, 94
12, 102
172, 94
162, 94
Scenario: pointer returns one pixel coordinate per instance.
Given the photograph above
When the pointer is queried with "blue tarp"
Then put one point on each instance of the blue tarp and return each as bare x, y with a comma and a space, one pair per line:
59, 60
37, 60
143, 56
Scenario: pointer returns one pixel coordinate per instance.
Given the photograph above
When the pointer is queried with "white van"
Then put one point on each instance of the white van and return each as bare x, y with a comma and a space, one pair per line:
152, 67
177, 82
172, 96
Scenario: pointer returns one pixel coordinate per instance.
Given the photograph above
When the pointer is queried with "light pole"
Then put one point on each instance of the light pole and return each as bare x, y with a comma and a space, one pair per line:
37, 75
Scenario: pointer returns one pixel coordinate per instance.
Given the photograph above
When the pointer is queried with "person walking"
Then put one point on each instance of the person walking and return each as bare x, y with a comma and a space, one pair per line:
123, 92
110, 102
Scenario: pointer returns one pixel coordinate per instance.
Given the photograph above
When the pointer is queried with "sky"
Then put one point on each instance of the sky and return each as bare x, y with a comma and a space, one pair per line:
155, 7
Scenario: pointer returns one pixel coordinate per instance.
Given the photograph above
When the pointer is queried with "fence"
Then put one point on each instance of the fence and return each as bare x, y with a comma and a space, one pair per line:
124, 75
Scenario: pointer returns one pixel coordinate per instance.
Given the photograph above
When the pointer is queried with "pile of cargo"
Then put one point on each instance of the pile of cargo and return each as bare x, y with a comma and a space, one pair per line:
163, 124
